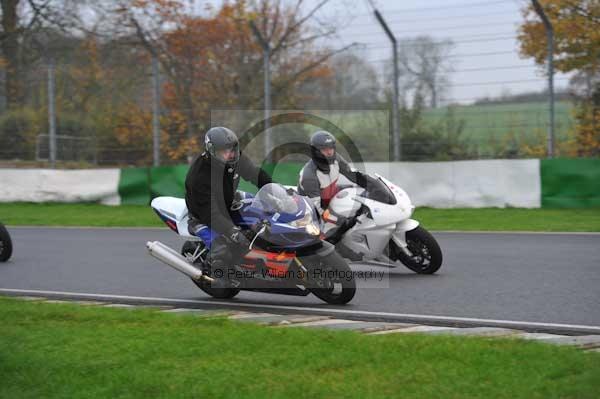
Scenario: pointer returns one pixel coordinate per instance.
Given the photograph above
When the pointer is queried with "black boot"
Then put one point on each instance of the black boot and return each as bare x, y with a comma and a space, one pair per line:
220, 273
347, 253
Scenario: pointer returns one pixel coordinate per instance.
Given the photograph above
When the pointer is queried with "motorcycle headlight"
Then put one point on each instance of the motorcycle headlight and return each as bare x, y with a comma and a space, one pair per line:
308, 223
313, 229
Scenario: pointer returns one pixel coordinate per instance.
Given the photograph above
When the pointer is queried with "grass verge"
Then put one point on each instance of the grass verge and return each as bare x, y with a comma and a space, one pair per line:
489, 219
29, 214
68, 351
510, 219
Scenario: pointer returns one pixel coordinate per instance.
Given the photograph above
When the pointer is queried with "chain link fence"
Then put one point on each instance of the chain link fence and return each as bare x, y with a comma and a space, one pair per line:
110, 107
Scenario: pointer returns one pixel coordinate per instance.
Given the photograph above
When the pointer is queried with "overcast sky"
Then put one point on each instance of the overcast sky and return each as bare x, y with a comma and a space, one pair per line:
484, 32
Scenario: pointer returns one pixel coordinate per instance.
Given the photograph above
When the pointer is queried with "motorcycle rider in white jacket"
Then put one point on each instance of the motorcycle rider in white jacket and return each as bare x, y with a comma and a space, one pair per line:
319, 178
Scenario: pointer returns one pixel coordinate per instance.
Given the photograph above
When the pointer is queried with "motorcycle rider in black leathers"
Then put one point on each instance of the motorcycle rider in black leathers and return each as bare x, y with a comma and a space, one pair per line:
210, 190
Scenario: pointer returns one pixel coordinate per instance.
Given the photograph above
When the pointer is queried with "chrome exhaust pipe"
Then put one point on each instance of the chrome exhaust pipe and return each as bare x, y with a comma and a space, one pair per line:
169, 257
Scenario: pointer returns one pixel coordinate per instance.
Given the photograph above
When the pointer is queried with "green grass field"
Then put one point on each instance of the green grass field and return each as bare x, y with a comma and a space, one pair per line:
490, 219
523, 119
69, 351
489, 130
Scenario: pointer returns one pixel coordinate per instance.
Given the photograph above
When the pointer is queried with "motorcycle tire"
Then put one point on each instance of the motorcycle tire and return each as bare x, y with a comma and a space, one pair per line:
188, 248
338, 290
6, 248
427, 254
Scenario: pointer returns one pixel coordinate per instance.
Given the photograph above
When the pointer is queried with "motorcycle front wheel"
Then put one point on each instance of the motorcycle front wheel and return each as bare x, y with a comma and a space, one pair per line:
331, 280
426, 252
5, 244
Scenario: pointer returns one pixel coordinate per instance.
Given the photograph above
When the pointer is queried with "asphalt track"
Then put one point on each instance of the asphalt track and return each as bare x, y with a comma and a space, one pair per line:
543, 278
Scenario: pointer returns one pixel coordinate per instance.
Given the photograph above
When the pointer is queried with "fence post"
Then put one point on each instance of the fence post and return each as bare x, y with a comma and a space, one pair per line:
155, 111
51, 114
550, 38
267, 87
395, 105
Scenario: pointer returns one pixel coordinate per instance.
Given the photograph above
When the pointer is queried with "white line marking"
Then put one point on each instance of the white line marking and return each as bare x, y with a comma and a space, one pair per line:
538, 336
318, 323
424, 318
424, 329
118, 305
251, 315
184, 310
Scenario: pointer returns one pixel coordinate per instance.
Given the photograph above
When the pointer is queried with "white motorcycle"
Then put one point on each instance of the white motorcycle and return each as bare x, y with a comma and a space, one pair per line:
381, 231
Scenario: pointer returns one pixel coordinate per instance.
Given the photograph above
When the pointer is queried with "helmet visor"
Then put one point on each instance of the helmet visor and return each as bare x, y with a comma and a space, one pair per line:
327, 151
227, 154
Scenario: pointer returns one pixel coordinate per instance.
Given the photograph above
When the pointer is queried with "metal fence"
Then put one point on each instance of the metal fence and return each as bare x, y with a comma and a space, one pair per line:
122, 110
124, 134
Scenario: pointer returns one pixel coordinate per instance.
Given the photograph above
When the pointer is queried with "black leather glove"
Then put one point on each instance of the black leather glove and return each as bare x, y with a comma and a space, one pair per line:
237, 236
237, 196
347, 223
250, 234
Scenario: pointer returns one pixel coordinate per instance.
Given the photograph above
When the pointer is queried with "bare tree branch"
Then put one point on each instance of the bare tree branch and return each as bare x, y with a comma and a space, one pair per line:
292, 28
281, 86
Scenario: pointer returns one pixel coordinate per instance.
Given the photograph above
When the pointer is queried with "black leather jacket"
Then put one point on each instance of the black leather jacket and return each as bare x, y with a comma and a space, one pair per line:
210, 187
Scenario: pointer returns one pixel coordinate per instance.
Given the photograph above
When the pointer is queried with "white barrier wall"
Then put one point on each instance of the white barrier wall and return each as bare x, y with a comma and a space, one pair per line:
466, 184
459, 184
48, 185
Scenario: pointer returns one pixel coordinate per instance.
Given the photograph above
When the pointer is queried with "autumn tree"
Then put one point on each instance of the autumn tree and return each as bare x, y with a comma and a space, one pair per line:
349, 82
100, 88
20, 21
576, 25
214, 60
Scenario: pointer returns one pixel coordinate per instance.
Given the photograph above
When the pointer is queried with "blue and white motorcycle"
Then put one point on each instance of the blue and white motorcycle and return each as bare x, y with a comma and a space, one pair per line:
287, 255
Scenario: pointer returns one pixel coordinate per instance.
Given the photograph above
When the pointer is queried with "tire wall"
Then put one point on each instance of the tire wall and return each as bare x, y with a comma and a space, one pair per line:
466, 184
461, 184
49, 185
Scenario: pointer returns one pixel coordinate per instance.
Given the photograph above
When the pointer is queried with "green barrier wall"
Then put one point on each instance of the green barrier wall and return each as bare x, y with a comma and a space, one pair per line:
133, 186
140, 185
168, 181
566, 183
570, 183
284, 173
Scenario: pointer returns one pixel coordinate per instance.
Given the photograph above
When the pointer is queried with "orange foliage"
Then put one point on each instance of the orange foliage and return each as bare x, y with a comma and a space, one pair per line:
576, 25
588, 131
88, 77
134, 127
538, 147
215, 62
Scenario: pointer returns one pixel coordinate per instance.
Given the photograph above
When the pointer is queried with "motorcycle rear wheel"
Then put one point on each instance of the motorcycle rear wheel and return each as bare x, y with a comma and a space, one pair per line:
427, 254
220, 293
332, 280
6, 248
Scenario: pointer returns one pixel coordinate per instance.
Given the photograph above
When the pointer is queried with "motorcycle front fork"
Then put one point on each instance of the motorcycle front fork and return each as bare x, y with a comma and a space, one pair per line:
401, 243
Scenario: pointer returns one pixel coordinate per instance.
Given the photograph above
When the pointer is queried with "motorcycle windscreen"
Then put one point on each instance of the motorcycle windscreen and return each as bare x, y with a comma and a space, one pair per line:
273, 198
378, 191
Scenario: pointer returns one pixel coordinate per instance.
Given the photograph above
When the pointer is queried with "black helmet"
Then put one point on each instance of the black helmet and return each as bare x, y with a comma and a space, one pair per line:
220, 138
318, 141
